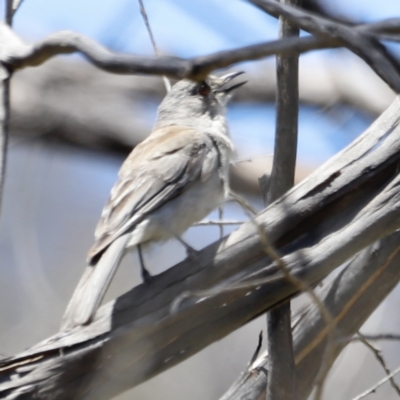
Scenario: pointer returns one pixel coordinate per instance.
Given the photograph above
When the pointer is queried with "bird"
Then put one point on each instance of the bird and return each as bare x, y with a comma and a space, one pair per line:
171, 180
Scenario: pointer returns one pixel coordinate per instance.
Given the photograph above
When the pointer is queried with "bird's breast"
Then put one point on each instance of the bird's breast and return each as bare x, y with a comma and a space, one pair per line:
180, 213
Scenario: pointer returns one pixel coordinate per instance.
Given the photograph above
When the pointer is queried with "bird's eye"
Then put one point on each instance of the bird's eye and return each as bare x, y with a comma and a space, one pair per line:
203, 89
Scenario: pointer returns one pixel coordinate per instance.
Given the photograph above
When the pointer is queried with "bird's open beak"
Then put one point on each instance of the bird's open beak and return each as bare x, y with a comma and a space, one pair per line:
226, 79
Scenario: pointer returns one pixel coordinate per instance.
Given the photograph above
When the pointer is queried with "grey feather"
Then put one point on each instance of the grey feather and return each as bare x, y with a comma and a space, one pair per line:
171, 180
150, 177
93, 286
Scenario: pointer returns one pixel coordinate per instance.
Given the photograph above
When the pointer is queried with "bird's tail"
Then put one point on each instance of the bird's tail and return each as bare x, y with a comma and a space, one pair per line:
93, 285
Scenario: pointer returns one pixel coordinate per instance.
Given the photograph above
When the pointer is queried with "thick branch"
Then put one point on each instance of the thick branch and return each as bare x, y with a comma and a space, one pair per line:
346, 205
360, 41
351, 298
16, 54
50, 100
280, 341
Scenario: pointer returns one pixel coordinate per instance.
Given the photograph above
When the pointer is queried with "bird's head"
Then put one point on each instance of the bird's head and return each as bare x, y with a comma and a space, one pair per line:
194, 103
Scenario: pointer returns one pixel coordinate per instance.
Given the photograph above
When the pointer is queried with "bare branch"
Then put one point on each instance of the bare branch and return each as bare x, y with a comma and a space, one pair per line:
16, 5
136, 336
351, 298
357, 40
48, 103
258, 348
17, 55
373, 388
167, 83
219, 223
4, 107
280, 341
378, 355
372, 338
20, 55
4, 122
247, 207
9, 12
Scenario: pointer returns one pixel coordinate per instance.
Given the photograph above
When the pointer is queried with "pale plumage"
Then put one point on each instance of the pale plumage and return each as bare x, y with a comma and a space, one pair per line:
183, 160
173, 179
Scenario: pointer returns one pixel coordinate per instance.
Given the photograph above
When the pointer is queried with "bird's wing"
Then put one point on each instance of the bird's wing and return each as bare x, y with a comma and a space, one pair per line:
157, 170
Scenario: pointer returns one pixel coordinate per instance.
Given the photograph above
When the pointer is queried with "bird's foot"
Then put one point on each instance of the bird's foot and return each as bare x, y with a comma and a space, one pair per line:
191, 253
146, 276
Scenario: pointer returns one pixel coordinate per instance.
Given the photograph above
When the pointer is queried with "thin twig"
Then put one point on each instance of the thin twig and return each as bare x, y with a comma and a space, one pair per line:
305, 288
243, 203
16, 5
371, 338
167, 83
221, 217
5, 76
258, 348
274, 255
219, 223
297, 282
378, 355
251, 159
373, 388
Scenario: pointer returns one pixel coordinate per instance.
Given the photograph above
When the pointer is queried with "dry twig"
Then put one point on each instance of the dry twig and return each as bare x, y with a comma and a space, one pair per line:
167, 83
373, 388
378, 355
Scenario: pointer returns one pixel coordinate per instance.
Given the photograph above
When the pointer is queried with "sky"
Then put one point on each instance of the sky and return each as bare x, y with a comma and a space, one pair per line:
208, 25
187, 28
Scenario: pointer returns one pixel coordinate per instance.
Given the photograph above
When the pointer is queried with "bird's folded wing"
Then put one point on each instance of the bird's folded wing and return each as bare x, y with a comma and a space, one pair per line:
158, 170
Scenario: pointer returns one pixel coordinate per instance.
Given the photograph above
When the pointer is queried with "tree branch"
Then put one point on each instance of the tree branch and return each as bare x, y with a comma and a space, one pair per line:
378, 355
351, 298
5, 76
280, 341
343, 207
360, 41
17, 55
373, 388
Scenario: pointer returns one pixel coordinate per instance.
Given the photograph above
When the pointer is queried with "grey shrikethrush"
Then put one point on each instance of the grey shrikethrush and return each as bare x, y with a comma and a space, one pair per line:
170, 181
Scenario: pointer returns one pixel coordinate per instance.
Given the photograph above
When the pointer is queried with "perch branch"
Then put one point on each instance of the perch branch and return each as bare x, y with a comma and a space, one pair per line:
17, 54
351, 298
332, 215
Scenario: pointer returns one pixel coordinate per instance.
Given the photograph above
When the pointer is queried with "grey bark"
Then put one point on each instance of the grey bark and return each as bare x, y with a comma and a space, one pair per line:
351, 298
365, 45
348, 204
280, 342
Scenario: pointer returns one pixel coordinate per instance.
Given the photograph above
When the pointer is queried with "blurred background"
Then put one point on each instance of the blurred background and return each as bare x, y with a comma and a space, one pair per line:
72, 126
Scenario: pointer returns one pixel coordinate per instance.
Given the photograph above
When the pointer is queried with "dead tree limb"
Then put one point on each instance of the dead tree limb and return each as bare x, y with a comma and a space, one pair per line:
351, 298
349, 203
280, 342
361, 41
17, 54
